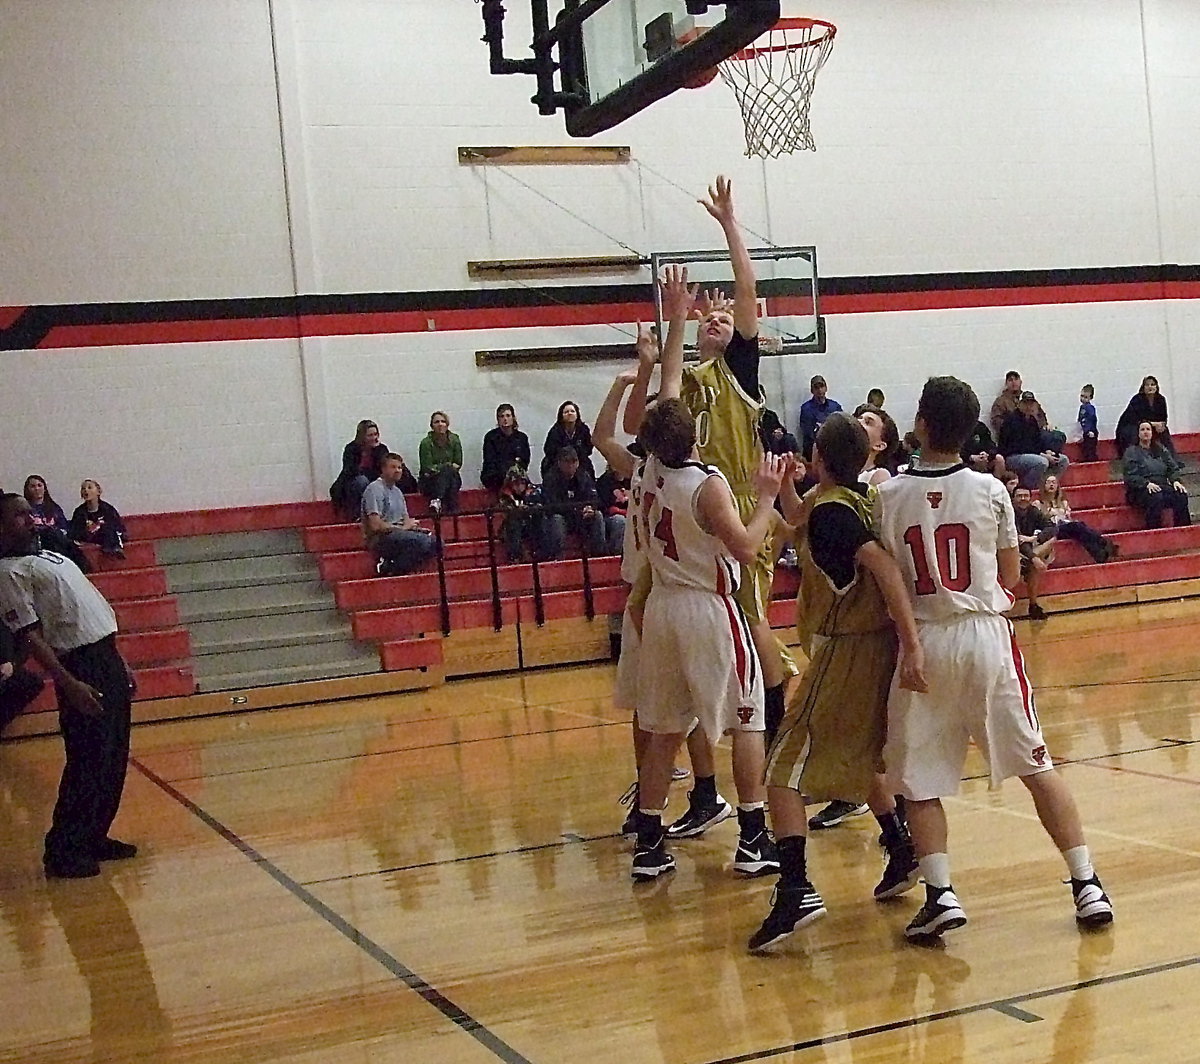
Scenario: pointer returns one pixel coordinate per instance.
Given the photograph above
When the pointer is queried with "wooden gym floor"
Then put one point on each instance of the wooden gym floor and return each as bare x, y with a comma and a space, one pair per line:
434, 877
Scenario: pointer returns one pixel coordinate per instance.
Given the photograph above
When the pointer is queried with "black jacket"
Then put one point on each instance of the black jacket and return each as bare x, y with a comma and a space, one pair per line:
557, 439
1020, 435
351, 456
500, 454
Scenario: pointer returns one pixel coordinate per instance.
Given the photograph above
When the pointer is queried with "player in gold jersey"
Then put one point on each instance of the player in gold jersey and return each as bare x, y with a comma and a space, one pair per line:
724, 395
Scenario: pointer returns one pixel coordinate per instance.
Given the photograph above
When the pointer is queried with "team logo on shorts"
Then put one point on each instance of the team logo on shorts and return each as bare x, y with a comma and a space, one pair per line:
935, 499
1039, 755
745, 713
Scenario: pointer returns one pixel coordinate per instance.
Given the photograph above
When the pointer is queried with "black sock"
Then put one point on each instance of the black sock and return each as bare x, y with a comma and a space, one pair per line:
649, 829
895, 833
793, 871
705, 791
773, 703
752, 822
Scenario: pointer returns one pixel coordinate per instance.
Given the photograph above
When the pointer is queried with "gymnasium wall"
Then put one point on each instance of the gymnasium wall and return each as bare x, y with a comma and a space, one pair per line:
246, 150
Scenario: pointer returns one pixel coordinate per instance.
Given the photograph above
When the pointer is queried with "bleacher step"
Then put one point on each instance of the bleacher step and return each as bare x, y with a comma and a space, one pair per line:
227, 545
293, 674
242, 572
257, 601
296, 630
333, 652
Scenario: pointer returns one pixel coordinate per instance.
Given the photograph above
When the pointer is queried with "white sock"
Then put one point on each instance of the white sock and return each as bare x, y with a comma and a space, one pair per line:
935, 869
749, 807
651, 812
1079, 862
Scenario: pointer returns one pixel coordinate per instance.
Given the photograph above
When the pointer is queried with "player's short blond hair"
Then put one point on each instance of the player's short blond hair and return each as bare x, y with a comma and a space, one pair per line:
669, 431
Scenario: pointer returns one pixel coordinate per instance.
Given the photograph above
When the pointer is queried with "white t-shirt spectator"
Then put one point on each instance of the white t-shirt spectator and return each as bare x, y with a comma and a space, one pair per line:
388, 503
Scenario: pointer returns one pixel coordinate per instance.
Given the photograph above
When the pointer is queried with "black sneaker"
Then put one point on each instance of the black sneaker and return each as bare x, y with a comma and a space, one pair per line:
650, 862
791, 909
899, 877
114, 850
70, 867
629, 798
1092, 907
699, 818
940, 913
834, 813
756, 856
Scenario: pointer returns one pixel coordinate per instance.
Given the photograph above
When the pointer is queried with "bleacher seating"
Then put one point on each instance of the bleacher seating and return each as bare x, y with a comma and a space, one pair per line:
401, 618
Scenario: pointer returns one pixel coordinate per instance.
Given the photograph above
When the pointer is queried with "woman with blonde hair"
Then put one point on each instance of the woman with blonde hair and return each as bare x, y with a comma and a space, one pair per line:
97, 521
1053, 503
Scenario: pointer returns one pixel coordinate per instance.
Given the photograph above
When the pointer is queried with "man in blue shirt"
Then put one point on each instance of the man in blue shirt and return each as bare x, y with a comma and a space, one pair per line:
813, 414
392, 536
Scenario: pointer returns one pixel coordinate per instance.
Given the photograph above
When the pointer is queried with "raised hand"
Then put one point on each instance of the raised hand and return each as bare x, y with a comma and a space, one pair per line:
678, 296
719, 201
625, 378
712, 299
768, 478
647, 345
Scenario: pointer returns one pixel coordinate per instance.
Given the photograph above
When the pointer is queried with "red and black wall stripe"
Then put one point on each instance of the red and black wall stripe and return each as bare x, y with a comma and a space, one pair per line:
206, 320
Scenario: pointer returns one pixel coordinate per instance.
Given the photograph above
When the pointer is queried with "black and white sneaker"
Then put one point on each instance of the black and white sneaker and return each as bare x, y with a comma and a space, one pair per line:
899, 877
834, 813
791, 909
679, 773
649, 862
1092, 907
940, 913
756, 856
699, 817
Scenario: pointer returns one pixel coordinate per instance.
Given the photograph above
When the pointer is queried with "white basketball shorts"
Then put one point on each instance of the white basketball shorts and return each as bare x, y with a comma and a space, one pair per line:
697, 660
625, 686
978, 690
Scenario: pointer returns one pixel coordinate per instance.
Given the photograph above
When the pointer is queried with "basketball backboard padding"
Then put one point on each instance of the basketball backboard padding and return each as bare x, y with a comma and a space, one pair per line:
617, 58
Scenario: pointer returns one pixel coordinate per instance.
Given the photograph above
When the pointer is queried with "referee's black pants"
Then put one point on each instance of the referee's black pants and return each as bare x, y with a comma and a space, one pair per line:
97, 749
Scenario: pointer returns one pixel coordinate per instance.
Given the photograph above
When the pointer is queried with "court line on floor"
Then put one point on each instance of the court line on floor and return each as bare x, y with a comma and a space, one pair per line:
430, 994
1164, 744
567, 840
1008, 1006
1148, 775
382, 753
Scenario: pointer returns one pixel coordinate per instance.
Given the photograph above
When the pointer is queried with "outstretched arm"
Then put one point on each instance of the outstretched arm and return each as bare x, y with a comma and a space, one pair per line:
883, 567
677, 300
635, 408
718, 514
604, 432
719, 203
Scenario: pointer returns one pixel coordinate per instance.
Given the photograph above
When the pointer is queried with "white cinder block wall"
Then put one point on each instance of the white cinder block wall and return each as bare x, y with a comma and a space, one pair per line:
231, 148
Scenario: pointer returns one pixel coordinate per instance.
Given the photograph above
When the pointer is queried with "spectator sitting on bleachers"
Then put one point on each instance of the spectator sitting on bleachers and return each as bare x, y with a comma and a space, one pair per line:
504, 446
614, 504
397, 541
1148, 405
1053, 503
518, 500
361, 461
51, 523
46, 513
568, 482
569, 430
1035, 542
1010, 399
981, 453
1021, 441
441, 462
776, 438
96, 521
1152, 482
813, 413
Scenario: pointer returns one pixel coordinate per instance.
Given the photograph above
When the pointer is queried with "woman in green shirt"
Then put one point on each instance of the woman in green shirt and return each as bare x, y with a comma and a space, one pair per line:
441, 460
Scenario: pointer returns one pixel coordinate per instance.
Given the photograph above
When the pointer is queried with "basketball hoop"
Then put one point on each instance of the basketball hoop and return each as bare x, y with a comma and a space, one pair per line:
773, 81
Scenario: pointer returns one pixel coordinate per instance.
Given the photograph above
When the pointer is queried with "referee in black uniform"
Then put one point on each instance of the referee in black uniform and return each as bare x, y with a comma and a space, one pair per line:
61, 621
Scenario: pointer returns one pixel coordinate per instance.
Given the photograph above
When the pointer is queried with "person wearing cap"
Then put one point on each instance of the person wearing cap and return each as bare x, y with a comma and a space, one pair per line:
813, 414
1023, 446
1006, 403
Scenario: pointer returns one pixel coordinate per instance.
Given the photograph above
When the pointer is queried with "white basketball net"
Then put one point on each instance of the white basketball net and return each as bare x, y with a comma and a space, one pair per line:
773, 80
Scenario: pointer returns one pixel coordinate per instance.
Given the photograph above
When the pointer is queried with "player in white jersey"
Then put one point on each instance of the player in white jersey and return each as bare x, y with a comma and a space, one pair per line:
688, 525
953, 532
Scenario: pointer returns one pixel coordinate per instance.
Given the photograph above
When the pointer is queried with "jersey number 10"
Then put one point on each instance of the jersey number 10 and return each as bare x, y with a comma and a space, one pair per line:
952, 544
